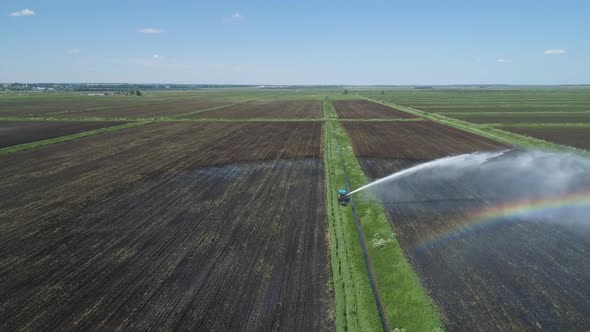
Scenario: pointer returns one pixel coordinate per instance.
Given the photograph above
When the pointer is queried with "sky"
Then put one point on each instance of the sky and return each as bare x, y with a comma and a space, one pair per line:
391, 42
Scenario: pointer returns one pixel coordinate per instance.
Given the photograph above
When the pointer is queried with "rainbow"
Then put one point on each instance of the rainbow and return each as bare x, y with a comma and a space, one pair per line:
503, 214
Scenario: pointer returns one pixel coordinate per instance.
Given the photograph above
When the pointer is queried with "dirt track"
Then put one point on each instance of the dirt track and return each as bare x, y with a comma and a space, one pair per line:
198, 226
19, 132
364, 109
518, 276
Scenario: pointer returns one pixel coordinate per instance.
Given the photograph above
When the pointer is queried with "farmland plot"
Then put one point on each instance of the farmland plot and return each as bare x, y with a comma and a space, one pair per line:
153, 110
285, 109
364, 109
197, 226
517, 275
578, 137
488, 100
524, 118
19, 132
39, 107
418, 141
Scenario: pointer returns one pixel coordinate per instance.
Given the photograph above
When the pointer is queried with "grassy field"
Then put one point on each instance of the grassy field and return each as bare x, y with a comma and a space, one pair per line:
246, 140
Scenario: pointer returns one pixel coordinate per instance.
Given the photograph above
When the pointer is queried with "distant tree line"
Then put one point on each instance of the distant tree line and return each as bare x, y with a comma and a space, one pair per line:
128, 93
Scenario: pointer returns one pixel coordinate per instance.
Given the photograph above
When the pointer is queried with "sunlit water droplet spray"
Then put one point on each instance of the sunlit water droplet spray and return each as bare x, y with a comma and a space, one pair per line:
464, 160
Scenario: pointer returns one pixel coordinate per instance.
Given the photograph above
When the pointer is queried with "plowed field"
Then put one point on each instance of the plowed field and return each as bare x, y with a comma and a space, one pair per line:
421, 140
578, 137
192, 226
153, 110
516, 276
38, 106
281, 109
364, 109
19, 132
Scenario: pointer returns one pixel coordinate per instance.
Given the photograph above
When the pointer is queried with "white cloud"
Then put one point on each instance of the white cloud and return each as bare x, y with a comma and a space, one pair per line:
24, 12
555, 51
156, 56
237, 17
150, 31
502, 60
74, 51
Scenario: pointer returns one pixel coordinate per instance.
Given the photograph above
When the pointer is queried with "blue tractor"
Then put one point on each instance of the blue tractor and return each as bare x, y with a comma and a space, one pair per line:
343, 198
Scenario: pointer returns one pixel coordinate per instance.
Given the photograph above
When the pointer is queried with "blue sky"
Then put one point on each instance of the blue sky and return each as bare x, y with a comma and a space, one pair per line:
296, 42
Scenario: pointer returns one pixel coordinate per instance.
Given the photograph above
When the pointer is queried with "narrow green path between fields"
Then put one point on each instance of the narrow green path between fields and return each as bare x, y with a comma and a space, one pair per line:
405, 301
36, 144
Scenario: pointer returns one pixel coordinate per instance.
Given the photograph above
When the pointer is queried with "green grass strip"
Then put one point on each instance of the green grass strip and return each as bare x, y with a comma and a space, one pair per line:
355, 308
407, 305
36, 144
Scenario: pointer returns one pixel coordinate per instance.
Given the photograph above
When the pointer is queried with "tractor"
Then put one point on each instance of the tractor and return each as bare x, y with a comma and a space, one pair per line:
343, 198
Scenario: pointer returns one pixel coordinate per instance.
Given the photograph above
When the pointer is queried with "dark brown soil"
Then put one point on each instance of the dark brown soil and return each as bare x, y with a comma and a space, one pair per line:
264, 109
19, 132
187, 226
577, 137
420, 140
364, 109
45, 106
154, 110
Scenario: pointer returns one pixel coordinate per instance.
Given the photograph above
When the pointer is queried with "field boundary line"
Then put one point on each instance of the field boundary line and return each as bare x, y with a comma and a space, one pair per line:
363, 242
355, 308
36, 144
